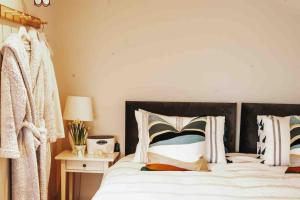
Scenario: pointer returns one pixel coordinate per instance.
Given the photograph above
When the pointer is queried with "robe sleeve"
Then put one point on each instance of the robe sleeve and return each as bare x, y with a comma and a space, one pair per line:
60, 132
55, 105
13, 105
49, 106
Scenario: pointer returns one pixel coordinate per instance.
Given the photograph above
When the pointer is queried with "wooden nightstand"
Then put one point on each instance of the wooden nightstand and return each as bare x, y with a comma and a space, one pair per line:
89, 164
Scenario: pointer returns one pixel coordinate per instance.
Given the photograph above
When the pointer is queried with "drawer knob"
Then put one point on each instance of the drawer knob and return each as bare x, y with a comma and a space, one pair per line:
84, 165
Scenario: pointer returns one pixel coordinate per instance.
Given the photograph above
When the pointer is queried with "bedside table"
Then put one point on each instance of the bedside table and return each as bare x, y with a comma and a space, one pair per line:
89, 164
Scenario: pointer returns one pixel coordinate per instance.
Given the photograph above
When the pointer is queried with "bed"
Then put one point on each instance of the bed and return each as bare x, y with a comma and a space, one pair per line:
126, 181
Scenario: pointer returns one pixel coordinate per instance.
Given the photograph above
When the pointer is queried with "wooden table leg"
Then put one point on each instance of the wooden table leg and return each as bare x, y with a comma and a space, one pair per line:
63, 180
70, 186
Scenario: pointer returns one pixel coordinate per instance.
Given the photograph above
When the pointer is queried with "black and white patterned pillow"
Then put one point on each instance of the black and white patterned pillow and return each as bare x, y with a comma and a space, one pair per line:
295, 134
181, 142
199, 136
261, 143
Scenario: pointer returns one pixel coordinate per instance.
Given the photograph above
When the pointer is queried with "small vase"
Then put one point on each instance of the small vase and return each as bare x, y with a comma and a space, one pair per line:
80, 150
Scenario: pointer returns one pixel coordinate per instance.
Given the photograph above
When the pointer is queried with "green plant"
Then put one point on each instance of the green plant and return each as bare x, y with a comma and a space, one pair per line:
78, 132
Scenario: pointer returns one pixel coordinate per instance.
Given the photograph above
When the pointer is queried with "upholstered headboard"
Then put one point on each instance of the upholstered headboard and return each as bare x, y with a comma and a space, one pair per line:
248, 128
187, 109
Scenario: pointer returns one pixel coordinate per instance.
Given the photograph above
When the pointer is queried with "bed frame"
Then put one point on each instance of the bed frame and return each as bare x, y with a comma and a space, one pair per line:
187, 109
248, 127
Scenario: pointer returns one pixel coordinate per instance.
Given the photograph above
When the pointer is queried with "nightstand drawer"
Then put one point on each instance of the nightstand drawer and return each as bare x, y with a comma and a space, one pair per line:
85, 165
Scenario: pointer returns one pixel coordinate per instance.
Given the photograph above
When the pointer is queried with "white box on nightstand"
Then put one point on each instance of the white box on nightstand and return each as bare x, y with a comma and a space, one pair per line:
103, 143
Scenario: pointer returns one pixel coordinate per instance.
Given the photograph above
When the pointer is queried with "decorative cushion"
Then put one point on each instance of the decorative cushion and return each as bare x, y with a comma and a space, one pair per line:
200, 165
183, 142
162, 167
182, 138
293, 170
277, 142
295, 134
142, 118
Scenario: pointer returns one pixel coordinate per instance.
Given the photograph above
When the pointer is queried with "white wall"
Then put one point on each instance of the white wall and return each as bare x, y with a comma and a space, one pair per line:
174, 50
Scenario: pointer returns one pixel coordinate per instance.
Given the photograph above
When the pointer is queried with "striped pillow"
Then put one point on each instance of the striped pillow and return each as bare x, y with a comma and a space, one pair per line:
214, 134
277, 131
140, 155
295, 134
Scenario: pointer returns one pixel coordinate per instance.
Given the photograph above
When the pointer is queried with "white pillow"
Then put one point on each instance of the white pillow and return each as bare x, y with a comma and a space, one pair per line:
140, 155
277, 131
214, 139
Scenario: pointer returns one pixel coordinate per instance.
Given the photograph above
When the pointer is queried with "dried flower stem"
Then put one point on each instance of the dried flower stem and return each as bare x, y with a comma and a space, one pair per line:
78, 132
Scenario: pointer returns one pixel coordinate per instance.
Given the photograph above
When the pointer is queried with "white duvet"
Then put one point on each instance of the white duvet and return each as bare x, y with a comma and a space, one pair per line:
125, 181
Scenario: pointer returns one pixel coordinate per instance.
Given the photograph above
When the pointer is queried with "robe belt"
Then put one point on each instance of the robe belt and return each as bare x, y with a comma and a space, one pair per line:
40, 144
40, 134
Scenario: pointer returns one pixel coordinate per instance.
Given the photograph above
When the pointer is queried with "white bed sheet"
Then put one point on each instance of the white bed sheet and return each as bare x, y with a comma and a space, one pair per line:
125, 181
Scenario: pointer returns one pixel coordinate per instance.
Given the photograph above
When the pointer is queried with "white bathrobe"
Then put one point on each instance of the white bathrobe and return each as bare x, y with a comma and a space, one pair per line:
46, 98
58, 120
44, 107
47, 62
24, 118
18, 108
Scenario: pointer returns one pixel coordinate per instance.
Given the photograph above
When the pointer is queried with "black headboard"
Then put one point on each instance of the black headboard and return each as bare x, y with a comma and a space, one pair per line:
186, 109
248, 129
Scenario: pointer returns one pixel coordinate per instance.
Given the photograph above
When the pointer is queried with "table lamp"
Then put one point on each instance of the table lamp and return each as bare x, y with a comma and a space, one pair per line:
78, 110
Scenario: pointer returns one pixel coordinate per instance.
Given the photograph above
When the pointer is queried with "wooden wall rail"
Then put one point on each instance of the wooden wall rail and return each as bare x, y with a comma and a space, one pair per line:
20, 17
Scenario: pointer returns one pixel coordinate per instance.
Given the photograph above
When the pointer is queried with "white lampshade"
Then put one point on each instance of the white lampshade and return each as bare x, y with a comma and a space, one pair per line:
78, 108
